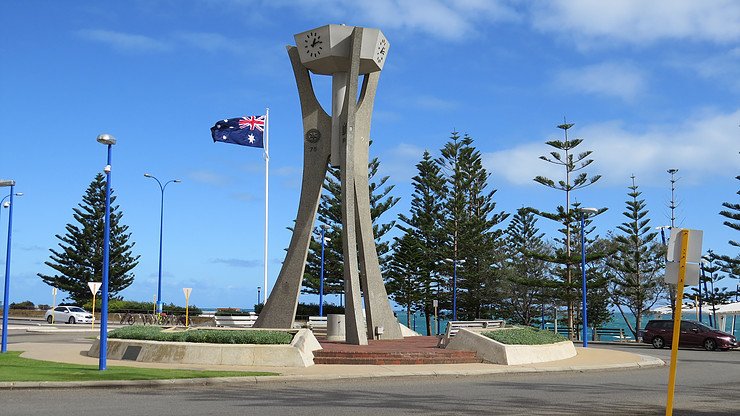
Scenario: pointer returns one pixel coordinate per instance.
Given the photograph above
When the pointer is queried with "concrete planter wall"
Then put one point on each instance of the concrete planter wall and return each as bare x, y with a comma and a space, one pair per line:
299, 353
495, 352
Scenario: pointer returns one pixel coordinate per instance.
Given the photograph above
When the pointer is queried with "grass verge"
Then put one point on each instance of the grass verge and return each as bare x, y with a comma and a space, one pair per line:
524, 336
213, 336
15, 368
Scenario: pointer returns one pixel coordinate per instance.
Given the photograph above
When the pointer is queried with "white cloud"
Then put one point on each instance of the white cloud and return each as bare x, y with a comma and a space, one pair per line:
700, 147
453, 19
428, 102
399, 162
639, 21
209, 178
211, 42
722, 66
613, 79
128, 42
125, 41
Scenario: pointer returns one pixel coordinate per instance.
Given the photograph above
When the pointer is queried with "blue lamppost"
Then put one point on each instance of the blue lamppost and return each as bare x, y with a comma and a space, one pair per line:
6, 292
584, 213
161, 222
107, 140
324, 239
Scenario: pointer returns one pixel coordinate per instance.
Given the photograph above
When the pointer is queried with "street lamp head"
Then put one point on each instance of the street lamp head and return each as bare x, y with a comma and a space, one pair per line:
19, 194
6, 204
6, 182
147, 175
177, 181
325, 226
589, 211
106, 138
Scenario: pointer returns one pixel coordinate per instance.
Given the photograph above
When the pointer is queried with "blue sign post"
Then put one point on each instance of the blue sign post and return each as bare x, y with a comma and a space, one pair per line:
109, 141
6, 292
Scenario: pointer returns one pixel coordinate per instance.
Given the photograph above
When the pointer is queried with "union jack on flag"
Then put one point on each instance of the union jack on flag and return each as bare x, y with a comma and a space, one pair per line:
253, 122
244, 131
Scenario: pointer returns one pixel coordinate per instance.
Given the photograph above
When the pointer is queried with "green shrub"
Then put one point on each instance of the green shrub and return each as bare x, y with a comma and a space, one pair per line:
524, 336
212, 336
26, 304
122, 306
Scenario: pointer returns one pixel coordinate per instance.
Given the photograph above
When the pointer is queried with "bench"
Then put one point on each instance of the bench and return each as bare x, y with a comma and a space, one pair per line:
317, 324
454, 326
242, 321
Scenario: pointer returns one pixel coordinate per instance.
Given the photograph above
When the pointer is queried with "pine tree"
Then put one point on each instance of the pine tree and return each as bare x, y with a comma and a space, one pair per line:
79, 259
708, 292
527, 277
330, 213
731, 264
423, 226
406, 280
572, 163
636, 263
470, 222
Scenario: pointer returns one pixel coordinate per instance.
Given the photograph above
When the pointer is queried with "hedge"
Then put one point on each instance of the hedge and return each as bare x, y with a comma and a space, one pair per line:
212, 336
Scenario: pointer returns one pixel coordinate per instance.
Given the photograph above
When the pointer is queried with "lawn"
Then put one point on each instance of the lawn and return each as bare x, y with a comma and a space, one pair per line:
524, 336
15, 368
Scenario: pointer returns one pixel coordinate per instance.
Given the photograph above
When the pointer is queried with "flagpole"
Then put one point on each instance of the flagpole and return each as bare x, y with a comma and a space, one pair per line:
267, 170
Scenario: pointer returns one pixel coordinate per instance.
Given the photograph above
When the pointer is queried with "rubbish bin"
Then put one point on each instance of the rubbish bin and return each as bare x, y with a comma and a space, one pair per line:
335, 330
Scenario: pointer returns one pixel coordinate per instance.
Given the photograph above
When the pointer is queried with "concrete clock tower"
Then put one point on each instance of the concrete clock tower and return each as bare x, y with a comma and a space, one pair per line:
342, 139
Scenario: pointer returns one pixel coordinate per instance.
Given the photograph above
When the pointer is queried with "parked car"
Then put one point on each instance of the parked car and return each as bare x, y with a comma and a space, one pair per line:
68, 314
659, 333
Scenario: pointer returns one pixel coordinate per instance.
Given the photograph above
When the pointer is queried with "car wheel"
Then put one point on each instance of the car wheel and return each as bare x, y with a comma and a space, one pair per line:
710, 344
71, 319
658, 342
49, 319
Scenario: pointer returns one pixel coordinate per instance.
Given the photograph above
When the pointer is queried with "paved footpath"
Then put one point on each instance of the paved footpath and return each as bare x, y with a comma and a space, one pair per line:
587, 359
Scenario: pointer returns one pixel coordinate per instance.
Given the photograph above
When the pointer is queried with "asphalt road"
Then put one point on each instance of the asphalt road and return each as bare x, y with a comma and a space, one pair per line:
708, 384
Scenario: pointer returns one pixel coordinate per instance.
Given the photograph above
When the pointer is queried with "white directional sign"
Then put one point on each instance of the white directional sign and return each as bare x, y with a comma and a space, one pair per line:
186, 291
692, 273
693, 256
94, 286
674, 245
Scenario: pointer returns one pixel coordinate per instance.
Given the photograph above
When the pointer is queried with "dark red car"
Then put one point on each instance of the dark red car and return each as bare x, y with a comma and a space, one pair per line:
659, 333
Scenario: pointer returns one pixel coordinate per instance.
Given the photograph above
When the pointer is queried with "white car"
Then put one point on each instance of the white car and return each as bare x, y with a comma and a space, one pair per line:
68, 314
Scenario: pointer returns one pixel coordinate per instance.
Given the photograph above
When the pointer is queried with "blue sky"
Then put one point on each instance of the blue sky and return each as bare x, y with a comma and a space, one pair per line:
649, 85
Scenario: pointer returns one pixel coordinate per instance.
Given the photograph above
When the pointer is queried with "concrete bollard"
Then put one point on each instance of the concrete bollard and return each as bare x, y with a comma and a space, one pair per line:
335, 329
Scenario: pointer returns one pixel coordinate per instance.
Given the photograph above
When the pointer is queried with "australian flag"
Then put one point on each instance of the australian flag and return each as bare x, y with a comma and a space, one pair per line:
245, 131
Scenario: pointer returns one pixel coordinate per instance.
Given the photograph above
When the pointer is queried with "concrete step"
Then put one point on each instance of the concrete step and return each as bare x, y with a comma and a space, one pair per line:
394, 358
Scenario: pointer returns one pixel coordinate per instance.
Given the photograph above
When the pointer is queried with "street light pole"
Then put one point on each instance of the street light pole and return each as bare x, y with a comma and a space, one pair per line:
109, 141
584, 212
454, 285
324, 227
161, 226
6, 292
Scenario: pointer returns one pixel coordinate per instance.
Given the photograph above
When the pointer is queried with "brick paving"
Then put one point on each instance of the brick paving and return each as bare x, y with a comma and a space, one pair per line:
407, 351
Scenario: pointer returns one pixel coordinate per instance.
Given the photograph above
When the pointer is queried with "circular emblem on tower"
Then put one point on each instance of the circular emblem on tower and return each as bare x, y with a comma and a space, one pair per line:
313, 136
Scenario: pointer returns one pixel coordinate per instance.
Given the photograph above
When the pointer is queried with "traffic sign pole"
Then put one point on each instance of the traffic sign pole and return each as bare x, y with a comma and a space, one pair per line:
677, 320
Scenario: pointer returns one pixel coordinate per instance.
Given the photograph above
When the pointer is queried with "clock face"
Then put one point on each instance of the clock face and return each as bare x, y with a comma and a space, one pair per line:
313, 44
381, 51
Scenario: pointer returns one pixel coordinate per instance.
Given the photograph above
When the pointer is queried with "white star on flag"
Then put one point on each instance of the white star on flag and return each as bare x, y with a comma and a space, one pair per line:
251, 138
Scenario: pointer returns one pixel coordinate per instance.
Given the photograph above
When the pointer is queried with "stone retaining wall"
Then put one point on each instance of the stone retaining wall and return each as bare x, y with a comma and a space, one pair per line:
497, 353
299, 353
